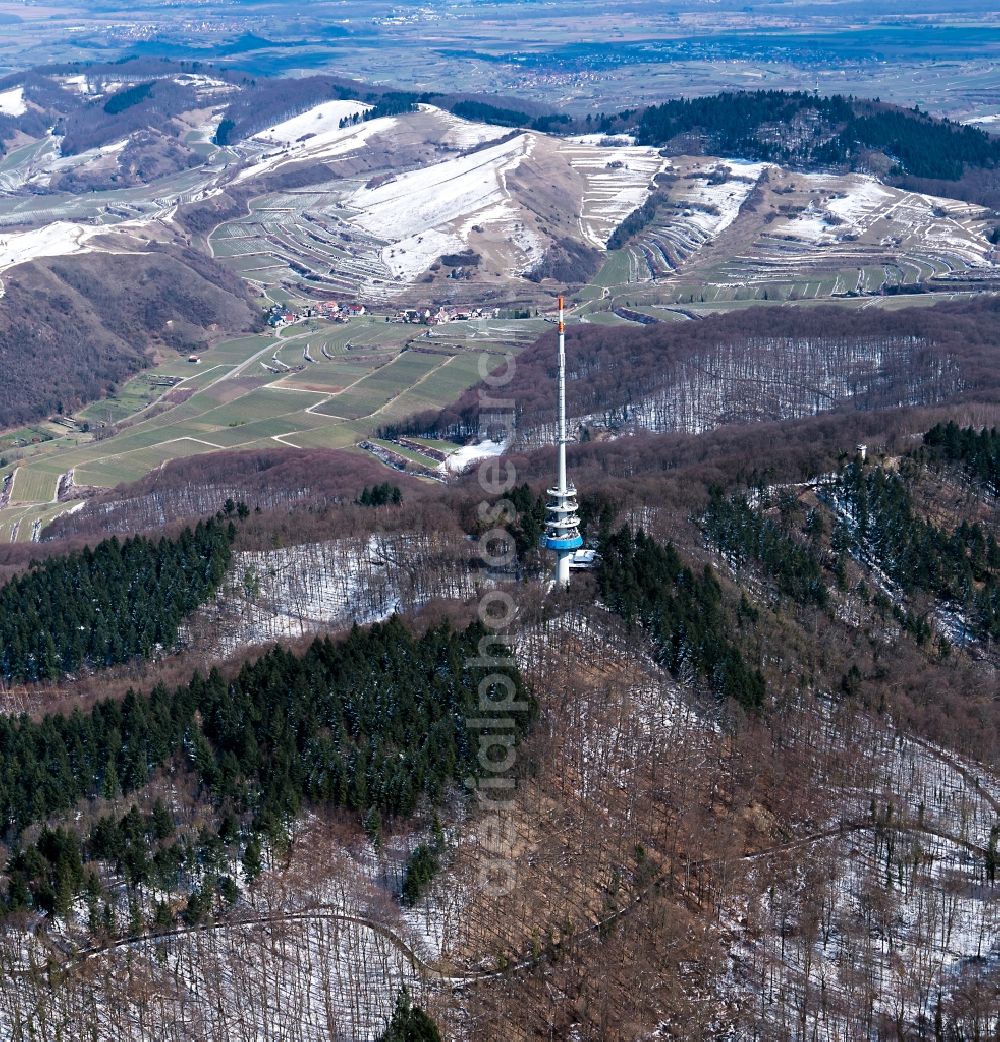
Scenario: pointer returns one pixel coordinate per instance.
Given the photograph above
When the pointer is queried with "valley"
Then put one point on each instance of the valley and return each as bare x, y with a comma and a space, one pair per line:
302, 736
255, 392
397, 213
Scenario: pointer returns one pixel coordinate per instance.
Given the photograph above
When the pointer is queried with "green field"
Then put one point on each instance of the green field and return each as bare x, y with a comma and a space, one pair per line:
362, 375
33, 486
321, 384
372, 393
25, 436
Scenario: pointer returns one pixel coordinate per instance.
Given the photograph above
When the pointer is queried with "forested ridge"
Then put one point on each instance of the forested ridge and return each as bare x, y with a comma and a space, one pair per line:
752, 365
647, 583
241, 813
375, 723
73, 328
799, 128
871, 513
100, 606
960, 566
126, 98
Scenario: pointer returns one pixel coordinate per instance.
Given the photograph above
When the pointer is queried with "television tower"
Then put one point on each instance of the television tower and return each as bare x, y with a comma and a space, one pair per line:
562, 529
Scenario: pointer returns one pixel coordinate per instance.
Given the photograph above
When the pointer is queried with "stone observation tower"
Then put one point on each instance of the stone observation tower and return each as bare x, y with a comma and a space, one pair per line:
562, 528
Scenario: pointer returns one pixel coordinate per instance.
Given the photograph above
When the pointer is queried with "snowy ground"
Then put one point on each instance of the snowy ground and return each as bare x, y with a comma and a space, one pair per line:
92, 86
12, 102
460, 133
463, 458
617, 180
63, 238
430, 211
320, 951
771, 378
722, 201
274, 595
58, 239
708, 196
328, 144
881, 920
862, 208
316, 125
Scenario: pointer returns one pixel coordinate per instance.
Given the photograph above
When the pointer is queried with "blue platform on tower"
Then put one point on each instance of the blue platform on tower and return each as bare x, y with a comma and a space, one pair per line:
569, 543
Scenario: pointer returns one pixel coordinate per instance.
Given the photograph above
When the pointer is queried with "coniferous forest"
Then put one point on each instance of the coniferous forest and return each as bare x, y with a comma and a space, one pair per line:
977, 450
648, 584
743, 533
105, 605
376, 724
960, 566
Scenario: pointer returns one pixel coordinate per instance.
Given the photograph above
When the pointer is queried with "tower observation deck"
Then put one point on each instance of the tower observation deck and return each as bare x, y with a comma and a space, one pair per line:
562, 527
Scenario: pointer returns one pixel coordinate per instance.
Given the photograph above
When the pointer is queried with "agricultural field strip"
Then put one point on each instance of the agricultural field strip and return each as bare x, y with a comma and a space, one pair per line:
377, 382
149, 433
203, 423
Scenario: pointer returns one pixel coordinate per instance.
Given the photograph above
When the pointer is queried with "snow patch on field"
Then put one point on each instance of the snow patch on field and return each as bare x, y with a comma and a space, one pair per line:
326, 145
464, 457
725, 199
59, 239
706, 199
91, 86
601, 139
460, 133
205, 85
866, 210
12, 102
89, 156
319, 120
413, 255
864, 197
425, 212
616, 179
77, 84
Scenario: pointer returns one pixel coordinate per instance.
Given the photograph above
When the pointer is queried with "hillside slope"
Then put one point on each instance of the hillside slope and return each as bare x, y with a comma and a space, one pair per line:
749, 366
71, 328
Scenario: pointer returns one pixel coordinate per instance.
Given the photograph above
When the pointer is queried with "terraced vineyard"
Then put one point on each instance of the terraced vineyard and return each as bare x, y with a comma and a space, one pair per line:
425, 207
296, 233
738, 232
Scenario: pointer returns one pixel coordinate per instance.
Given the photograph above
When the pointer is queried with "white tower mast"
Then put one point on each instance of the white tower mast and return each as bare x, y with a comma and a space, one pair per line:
562, 529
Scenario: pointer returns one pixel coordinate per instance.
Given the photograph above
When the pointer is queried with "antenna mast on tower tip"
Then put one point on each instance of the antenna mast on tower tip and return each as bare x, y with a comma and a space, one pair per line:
562, 398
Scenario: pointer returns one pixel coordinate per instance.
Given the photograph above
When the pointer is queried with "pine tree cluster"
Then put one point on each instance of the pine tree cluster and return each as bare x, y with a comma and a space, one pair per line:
380, 495
961, 567
648, 584
977, 450
744, 533
375, 723
108, 604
